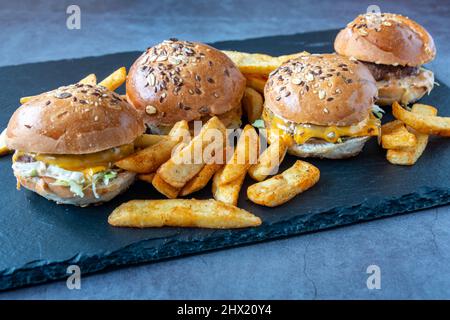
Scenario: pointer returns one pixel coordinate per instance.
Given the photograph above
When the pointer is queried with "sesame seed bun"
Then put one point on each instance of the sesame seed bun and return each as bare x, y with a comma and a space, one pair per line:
181, 80
75, 119
321, 89
389, 39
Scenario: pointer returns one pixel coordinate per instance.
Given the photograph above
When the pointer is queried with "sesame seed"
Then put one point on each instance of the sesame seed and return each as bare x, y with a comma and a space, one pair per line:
363, 32
322, 94
325, 110
150, 109
331, 135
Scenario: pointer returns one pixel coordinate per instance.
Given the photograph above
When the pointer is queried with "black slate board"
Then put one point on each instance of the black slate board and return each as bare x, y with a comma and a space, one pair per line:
39, 239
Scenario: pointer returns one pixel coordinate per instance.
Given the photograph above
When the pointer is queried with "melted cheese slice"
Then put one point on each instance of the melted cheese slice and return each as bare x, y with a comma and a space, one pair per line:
89, 164
304, 132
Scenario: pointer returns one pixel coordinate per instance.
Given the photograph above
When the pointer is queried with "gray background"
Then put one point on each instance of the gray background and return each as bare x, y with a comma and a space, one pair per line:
413, 251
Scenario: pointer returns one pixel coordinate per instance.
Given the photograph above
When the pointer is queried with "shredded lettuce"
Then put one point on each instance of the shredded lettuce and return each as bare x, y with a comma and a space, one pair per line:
109, 175
259, 123
377, 111
75, 187
105, 177
75, 180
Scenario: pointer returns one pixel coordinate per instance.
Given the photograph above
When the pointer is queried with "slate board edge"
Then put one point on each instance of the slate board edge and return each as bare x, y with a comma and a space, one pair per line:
41, 271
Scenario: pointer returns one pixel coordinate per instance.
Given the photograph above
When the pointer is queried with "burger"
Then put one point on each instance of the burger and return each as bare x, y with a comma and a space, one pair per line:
67, 140
182, 80
321, 106
394, 48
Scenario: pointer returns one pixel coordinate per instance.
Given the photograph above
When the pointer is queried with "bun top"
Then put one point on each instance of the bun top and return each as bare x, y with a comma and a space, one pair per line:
321, 89
75, 119
181, 80
386, 39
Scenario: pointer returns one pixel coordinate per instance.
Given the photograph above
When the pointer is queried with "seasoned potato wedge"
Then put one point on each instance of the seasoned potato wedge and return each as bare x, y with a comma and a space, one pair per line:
256, 82
396, 136
252, 104
427, 124
201, 179
164, 188
269, 160
115, 79
147, 140
283, 187
245, 154
228, 192
90, 79
181, 213
149, 159
409, 156
189, 161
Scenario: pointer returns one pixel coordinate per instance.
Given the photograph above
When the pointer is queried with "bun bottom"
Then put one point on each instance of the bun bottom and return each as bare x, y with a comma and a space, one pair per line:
318, 149
405, 90
62, 195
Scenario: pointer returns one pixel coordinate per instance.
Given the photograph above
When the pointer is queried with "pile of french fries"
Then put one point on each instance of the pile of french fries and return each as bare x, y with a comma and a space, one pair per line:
407, 137
169, 164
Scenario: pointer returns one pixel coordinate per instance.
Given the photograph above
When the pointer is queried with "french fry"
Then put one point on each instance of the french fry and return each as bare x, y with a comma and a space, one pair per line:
201, 179
396, 136
256, 82
286, 58
252, 104
431, 125
89, 79
181, 213
147, 140
189, 161
24, 100
149, 159
3, 148
269, 160
228, 192
253, 62
181, 129
283, 187
115, 79
245, 154
259, 63
147, 177
409, 156
164, 188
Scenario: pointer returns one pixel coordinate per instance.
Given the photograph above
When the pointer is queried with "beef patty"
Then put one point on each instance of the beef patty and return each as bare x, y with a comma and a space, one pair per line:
386, 72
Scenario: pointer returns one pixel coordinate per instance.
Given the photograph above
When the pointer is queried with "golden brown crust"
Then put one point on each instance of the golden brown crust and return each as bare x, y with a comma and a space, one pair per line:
322, 89
387, 39
75, 119
181, 80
